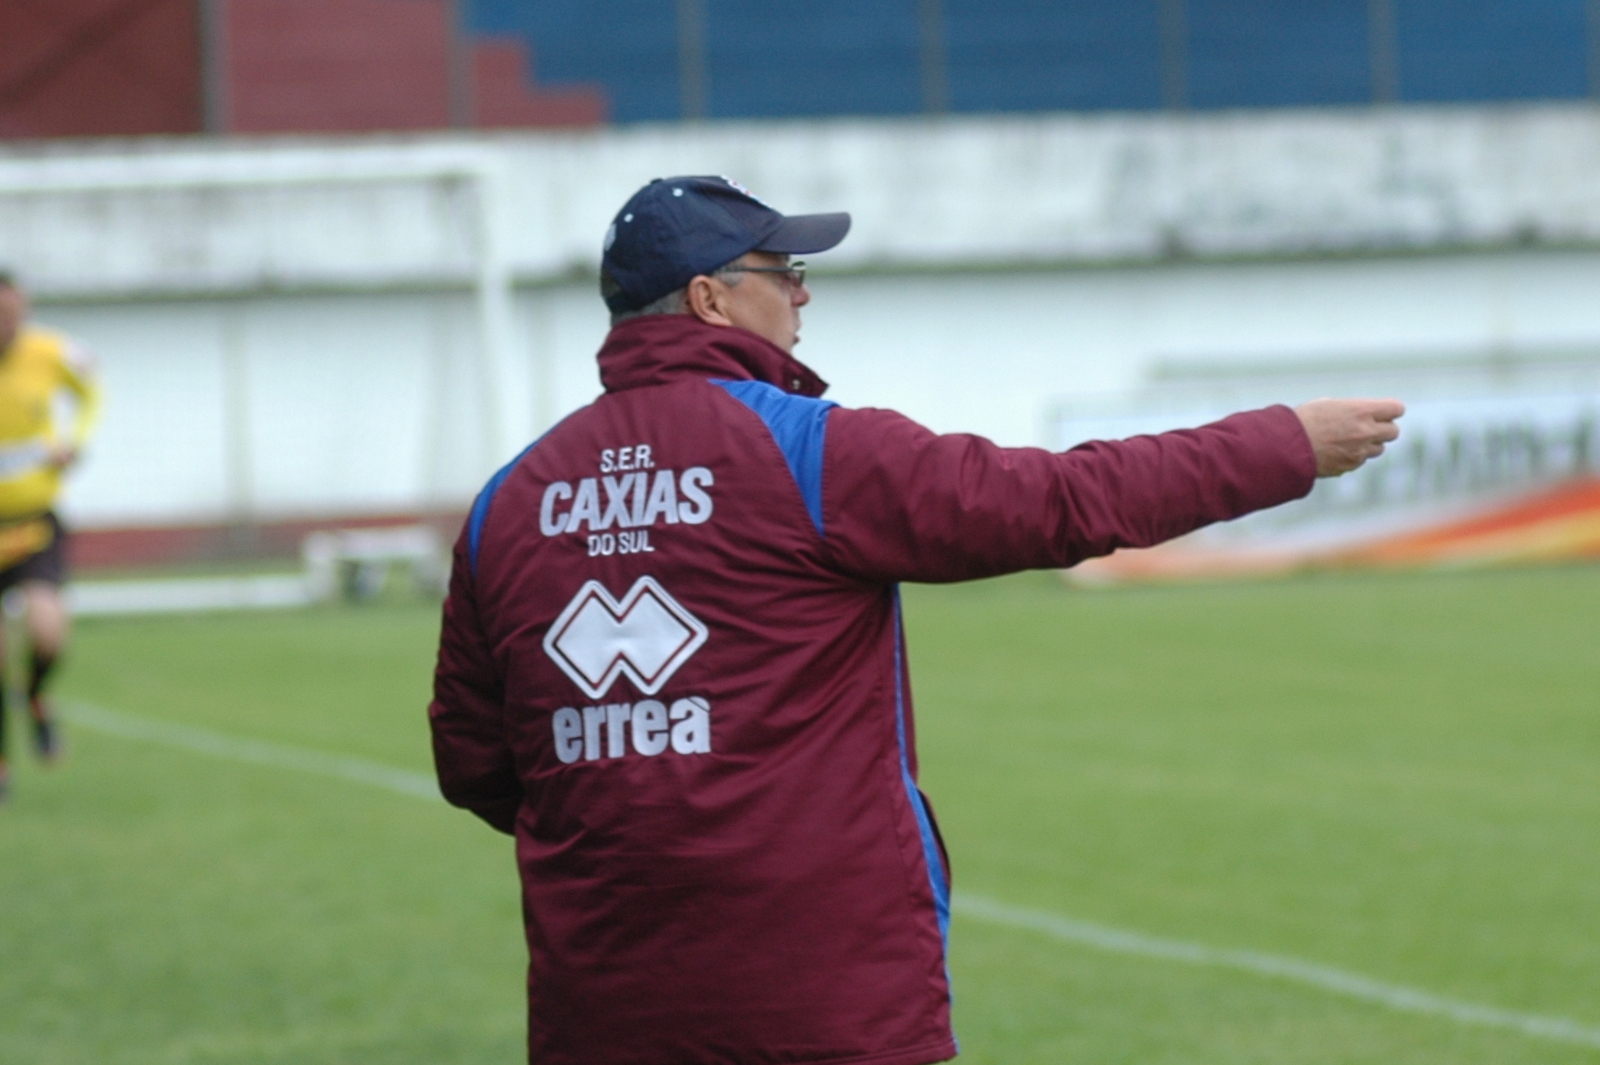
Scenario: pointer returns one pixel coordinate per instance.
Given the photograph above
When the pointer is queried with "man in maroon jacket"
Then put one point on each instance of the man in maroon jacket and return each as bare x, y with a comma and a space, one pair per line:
673, 665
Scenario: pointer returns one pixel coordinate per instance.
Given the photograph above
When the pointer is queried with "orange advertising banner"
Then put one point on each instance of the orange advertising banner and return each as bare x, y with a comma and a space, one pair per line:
1561, 524
1486, 481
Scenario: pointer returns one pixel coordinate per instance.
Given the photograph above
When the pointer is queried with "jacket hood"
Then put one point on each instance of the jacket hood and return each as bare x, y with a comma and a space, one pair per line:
659, 349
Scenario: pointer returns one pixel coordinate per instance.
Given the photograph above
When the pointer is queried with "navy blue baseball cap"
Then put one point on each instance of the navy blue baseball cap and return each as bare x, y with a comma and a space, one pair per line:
675, 229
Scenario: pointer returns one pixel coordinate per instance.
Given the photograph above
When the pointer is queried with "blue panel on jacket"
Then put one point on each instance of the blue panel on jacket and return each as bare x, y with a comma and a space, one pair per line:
799, 424
481, 505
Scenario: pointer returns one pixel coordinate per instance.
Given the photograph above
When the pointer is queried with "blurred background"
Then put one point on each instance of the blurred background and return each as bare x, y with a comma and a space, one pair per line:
338, 256
337, 259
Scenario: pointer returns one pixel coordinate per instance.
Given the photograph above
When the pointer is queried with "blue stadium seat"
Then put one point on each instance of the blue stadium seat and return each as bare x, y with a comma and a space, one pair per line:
628, 46
1268, 53
821, 57
1493, 49
1038, 55
844, 57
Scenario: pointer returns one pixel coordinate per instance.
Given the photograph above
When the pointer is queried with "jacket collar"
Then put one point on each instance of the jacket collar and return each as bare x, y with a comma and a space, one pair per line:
659, 349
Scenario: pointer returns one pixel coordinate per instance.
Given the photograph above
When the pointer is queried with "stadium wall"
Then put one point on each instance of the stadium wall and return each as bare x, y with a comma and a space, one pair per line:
300, 329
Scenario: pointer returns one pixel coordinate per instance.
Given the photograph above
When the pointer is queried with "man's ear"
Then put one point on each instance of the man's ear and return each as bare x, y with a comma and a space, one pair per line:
708, 301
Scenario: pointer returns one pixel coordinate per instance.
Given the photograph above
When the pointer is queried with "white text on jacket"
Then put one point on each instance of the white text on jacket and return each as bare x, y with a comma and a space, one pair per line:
631, 501
604, 731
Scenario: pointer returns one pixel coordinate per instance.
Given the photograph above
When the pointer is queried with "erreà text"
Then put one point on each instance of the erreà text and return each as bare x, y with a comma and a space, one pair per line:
598, 732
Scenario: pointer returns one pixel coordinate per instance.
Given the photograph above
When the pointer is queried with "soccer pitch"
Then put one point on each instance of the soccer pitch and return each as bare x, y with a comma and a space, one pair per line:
1338, 819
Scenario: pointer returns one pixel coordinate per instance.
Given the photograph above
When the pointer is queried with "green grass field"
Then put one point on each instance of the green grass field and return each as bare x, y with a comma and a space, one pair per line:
1395, 776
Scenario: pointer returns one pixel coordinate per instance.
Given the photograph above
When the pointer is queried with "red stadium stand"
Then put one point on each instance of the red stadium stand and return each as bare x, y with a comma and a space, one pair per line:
503, 97
73, 68
99, 68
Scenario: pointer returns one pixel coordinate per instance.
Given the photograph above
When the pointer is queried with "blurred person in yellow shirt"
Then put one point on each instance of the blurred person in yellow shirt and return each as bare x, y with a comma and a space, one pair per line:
36, 367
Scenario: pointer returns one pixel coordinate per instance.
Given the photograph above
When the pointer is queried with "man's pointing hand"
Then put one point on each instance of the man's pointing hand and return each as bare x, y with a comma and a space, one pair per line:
1347, 432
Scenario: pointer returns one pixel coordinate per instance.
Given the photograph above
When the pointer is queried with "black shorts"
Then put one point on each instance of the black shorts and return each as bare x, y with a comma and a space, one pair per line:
47, 563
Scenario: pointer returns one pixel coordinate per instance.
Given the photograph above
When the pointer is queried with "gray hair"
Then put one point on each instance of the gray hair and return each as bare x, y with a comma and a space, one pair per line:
674, 302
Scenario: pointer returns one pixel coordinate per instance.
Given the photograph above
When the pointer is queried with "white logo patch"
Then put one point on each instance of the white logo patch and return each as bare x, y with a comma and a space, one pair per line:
735, 185
647, 636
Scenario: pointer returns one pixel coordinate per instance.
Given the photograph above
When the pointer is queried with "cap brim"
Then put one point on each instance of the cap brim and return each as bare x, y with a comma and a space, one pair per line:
806, 234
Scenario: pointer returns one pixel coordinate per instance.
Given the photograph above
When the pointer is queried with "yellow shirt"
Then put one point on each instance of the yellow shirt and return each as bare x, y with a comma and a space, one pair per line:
34, 369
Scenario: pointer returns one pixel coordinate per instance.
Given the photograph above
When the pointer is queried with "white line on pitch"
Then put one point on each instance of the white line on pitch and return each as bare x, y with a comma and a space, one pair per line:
255, 752
1325, 978
975, 907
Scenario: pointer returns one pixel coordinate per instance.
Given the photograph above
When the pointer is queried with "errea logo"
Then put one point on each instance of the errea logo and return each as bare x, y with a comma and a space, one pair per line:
645, 637
598, 732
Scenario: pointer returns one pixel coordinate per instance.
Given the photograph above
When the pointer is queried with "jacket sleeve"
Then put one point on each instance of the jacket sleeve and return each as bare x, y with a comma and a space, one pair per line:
903, 503
470, 748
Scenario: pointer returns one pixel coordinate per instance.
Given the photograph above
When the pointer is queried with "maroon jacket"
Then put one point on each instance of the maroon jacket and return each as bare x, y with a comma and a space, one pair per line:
673, 665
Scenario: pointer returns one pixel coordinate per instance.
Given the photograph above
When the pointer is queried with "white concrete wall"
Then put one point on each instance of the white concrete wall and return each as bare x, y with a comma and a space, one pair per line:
189, 215
291, 405
374, 402
288, 328
991, 352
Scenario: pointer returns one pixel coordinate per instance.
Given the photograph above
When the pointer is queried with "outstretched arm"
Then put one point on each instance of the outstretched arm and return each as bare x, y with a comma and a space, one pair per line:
904, 503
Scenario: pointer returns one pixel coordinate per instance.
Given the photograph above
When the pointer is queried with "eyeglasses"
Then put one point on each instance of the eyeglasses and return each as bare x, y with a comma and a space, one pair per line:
794, 273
